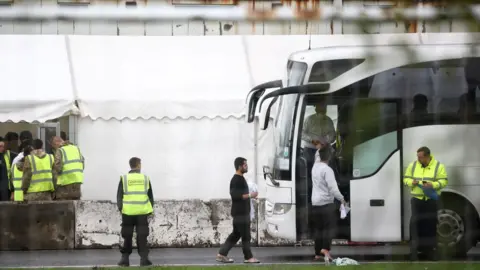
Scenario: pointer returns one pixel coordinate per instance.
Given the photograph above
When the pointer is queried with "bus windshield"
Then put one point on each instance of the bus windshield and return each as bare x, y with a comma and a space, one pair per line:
284, 123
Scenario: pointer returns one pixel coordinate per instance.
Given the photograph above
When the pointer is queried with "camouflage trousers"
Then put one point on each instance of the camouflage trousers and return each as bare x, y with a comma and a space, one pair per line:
68, 192
38, 196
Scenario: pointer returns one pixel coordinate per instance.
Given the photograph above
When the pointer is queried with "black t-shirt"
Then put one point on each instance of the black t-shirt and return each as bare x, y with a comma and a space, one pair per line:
239, 187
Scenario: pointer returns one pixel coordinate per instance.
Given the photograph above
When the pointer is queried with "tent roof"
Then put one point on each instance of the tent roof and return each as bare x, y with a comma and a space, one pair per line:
158, 77
34, 78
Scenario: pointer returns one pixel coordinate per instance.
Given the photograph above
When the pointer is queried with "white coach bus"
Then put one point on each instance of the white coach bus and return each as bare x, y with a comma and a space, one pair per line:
386, 102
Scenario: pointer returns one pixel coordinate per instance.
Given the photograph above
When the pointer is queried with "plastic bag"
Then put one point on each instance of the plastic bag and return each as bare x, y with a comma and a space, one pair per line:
344, 261
344, 209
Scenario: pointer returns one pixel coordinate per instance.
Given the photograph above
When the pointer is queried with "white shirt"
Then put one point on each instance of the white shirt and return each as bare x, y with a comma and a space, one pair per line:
17, 158
316, 126
325, 188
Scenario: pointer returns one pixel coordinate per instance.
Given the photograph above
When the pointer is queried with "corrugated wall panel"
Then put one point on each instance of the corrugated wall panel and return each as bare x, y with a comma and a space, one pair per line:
225, 27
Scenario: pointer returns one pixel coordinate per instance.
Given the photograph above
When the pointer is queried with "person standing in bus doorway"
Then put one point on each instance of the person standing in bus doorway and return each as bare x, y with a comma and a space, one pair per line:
426, 177
324, 212
135, 202
240, 213
318, 128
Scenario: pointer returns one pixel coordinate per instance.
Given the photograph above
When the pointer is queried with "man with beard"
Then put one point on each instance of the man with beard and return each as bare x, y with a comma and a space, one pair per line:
241, 215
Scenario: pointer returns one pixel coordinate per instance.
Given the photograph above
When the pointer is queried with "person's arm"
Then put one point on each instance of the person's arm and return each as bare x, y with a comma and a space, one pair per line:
408, 177
57, 165
82, 158
150, 192
330, 132
332, 185
120, 195
27, 174
442, 179
237, 190
10, 181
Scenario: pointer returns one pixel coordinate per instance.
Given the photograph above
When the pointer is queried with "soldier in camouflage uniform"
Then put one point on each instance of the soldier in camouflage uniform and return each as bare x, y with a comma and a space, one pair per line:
70, 191
28, 169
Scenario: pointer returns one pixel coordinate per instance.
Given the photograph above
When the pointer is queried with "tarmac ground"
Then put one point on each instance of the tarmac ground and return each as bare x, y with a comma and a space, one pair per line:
205, 256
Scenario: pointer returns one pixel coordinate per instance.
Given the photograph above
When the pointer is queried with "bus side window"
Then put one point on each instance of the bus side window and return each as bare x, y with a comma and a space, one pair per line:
374, 136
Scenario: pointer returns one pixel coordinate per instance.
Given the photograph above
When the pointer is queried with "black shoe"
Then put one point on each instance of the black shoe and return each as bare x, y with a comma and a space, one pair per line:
124, 261
145, 262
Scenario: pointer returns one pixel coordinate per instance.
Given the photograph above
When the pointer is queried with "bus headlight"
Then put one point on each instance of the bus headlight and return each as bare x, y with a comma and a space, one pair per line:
269, 208
281, 208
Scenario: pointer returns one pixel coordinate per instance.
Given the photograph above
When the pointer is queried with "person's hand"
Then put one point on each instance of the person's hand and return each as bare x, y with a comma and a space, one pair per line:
254, 195
414, 182
343, 202
150, 218
12, 197
315, 142
428, 184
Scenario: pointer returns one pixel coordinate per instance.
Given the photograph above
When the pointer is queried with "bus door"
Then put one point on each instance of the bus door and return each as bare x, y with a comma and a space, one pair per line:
374, 136
286, 214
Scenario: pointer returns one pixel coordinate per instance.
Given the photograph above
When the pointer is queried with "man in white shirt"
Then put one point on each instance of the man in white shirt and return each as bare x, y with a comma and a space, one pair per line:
324, 212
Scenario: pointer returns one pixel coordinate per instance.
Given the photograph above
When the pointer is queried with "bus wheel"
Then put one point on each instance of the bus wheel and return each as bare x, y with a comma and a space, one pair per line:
456, 227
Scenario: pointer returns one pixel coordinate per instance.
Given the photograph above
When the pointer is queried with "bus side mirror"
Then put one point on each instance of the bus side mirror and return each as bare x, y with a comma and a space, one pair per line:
264, 117
252, 101
254, 96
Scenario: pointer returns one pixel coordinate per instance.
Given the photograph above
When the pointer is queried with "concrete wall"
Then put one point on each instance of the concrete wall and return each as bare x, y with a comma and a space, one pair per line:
216, 27
188, 223
96, 224
42, 225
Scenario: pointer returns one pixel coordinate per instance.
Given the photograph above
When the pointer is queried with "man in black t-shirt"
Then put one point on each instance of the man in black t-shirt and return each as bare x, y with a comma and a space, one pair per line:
241, 215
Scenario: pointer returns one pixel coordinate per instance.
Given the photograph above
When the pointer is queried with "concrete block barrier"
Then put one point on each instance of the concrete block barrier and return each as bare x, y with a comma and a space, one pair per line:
187, 223
96, 224
37, 226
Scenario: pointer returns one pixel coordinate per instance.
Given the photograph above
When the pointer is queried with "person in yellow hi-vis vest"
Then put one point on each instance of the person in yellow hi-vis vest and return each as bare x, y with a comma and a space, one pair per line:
68, 170
135, 202
17, 176
426, 177
37, 183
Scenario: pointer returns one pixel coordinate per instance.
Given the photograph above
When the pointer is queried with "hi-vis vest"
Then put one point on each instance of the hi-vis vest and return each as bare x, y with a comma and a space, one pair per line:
42, 178
17, 176
8, 163
135, 195
72, 170
434, 173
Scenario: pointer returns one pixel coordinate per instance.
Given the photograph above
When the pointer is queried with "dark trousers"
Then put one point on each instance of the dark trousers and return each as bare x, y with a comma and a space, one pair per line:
324, 219
4, 194
140, 224
241, 230
423, 225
